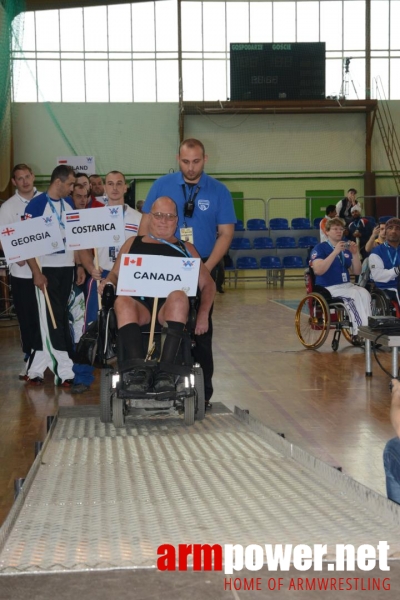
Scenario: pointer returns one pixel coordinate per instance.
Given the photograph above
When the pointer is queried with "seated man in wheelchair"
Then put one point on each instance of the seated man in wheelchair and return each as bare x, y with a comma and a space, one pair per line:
331, 262
384, 261
133, 313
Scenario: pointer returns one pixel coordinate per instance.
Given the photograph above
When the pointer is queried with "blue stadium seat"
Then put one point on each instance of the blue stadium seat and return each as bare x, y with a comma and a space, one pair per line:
270, 262
278, 223
301, 223
307, 241
239, 226
246, 262
293, 262
317, 221
256, 225
385, 218
240, 244
285, 242
263, 243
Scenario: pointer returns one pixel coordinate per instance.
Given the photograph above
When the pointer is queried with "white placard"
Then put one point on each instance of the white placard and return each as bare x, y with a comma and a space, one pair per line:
95, 228
157, 276
83, 164
31, 238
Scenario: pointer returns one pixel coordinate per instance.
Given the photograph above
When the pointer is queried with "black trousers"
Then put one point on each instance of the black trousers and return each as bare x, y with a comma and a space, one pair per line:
59, 288
202, 352
24, 297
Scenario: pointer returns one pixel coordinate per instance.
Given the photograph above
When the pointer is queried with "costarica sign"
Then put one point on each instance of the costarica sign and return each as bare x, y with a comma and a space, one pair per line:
99, 228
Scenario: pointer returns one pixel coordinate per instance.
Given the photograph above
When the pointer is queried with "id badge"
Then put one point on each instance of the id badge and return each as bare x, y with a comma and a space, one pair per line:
344, 277
186, 234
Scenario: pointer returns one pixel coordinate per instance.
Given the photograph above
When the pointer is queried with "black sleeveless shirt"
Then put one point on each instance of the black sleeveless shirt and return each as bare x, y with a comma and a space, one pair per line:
140, 247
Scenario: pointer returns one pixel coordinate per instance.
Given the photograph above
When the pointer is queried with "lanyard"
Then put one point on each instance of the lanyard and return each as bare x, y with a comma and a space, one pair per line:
393, 259
53, 210
24, 200
185, 253
192, 193
192, 197
340, 256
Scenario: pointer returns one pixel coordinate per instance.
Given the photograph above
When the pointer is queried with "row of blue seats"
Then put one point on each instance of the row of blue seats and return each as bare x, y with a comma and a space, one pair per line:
261, 225
266, 243
280, 223
269, 262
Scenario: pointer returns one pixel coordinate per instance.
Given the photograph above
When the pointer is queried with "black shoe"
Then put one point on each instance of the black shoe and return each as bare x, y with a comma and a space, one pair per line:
220, 290
164, 382
139, 380
357, 341
35, 381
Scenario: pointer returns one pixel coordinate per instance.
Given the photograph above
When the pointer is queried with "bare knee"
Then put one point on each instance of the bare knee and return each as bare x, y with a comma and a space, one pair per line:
176, 307
128, 310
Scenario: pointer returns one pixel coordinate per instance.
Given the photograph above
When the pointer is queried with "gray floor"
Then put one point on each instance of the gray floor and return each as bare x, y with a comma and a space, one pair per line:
144, 585
100, 499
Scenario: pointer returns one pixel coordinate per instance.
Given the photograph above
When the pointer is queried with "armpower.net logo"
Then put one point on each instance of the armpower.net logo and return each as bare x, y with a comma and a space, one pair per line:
231, 559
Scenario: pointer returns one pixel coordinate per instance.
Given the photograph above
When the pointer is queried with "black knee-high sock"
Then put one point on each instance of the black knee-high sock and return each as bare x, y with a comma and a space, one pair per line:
129, 344
172, 342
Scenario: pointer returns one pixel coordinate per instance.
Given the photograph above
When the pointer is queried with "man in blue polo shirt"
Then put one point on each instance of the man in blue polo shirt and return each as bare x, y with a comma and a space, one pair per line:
205, 209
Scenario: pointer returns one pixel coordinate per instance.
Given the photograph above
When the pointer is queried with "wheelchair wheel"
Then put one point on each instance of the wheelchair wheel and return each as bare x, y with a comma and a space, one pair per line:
105, 396
118, 415
312, 321
188, 415
199, 387
380, 303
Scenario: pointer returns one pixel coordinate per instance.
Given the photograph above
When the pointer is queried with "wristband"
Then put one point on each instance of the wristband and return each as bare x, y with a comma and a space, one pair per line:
78, 265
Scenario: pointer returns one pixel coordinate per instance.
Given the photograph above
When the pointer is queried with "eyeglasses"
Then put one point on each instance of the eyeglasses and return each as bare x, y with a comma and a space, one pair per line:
159, 216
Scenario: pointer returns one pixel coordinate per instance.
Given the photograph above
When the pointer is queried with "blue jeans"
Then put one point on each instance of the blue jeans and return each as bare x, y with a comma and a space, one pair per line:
391, 461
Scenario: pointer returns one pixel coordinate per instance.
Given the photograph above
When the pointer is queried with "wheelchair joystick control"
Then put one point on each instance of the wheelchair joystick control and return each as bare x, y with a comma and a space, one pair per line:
108, 297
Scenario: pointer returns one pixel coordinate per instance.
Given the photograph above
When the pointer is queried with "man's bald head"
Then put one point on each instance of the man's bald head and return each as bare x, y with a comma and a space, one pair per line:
165, 204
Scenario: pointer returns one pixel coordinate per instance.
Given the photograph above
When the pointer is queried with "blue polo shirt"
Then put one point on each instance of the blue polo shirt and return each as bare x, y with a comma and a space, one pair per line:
213, 206
341, 264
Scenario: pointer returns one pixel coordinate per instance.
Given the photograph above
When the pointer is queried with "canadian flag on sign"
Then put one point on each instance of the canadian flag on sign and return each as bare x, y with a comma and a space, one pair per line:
137, 262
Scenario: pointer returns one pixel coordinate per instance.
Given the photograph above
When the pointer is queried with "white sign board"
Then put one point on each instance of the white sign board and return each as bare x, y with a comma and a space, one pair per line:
157, 276
94, 228
31, 238
83, 164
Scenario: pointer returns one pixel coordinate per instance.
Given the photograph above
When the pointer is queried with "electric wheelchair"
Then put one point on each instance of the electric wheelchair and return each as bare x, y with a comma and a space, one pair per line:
117, 401
318, 313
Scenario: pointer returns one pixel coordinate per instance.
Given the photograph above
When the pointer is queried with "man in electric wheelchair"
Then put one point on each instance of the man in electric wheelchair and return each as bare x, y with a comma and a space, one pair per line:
139, 374
331, 262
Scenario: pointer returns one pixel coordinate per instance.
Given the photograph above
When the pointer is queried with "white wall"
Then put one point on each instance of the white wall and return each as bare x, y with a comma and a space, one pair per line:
134, 138
263, 155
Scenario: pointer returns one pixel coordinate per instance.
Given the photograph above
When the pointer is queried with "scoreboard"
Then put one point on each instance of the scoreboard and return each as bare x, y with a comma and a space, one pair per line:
294, 71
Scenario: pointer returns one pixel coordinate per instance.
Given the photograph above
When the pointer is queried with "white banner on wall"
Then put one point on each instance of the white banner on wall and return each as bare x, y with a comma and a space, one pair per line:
98, 228
84, 164
157, 276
